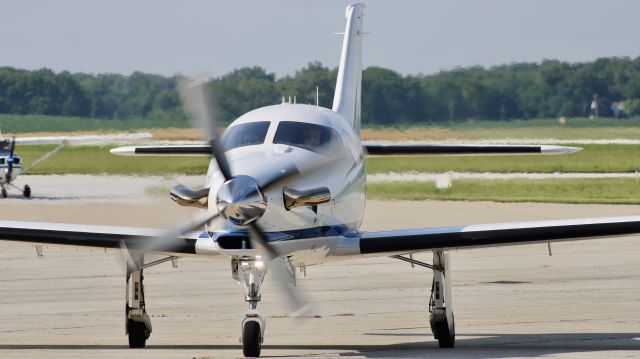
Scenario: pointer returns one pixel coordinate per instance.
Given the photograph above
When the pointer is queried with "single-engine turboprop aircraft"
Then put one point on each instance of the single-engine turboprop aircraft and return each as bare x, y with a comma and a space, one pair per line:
286, 188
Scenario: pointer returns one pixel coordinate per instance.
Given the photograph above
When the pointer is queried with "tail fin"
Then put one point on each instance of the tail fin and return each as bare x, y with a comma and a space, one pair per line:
346, 100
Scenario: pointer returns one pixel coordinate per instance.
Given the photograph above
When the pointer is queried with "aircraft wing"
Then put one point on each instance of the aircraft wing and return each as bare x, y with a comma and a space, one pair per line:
371, 149
386, 243
163, 150
92, 236
464, 149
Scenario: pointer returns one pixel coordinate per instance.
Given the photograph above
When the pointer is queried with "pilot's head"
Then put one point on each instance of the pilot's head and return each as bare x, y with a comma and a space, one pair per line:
312, 137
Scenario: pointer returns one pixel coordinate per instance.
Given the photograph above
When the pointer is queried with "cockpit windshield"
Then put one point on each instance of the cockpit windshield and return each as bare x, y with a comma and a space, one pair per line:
245, 134
309, 136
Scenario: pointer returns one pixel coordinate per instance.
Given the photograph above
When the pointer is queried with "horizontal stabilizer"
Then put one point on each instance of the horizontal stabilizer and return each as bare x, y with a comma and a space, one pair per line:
172, 150
458, 150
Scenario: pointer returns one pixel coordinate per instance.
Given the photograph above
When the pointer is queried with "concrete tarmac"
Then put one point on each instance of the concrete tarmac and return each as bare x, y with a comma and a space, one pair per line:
581, 302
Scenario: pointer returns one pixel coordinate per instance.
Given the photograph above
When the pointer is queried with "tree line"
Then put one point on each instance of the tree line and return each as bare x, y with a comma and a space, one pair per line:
515, 91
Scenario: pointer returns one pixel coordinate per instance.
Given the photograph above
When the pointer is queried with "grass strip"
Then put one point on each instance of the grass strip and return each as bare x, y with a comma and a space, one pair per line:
582, 191
98, 160
593, 158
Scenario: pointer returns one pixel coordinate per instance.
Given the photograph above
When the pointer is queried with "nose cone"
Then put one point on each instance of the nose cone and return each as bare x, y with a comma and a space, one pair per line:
240, 200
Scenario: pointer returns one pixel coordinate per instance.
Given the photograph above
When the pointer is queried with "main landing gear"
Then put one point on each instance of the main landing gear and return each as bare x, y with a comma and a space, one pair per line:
441, 299
441, 302
138, 324
26, 191
251, 272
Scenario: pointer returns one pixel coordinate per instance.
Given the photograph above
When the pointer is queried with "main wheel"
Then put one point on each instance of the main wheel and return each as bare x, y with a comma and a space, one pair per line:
446, 338
26, 191
3, 193
251, 339
138, 334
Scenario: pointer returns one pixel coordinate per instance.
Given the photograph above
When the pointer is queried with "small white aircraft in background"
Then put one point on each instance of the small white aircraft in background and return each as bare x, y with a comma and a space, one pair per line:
11, 166
285, 188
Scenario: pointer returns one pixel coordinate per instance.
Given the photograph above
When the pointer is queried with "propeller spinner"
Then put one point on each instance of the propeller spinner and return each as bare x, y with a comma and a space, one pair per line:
241, 201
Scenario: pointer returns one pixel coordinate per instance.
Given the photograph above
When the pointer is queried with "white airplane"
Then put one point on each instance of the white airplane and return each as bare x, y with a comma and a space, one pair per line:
286, 188
11, 166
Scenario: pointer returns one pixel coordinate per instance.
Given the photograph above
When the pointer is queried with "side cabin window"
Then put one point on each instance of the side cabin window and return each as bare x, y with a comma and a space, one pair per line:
312, 137
3, 161
246, 134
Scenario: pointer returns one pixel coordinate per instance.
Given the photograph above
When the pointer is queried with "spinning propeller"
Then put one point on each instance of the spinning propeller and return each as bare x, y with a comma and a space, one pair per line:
240, 199
10, 159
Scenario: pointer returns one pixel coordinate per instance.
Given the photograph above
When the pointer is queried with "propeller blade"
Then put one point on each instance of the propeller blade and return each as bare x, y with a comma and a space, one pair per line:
199, 104
273, 178
10, 159
298, 304
13, 146
170, 238
290, 170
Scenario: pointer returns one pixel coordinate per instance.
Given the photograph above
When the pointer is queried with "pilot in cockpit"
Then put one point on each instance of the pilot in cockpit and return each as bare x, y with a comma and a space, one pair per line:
312, 137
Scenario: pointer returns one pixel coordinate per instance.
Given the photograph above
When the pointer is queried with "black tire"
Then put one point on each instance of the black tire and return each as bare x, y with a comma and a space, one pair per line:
3, 193
26, 191
445, 338
251, 339
138, 334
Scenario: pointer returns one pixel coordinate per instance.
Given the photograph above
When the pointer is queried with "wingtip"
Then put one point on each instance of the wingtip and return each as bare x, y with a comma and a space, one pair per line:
558, 150
123, 151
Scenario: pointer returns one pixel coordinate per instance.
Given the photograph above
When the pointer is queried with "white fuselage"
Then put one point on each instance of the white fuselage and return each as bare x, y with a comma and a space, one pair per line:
342, 174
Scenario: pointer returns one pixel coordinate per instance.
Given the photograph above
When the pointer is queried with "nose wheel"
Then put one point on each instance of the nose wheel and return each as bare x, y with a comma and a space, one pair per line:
251, 337
26, 191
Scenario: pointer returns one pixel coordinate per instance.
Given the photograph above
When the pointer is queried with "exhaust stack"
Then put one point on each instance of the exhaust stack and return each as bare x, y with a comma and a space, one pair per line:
188, 197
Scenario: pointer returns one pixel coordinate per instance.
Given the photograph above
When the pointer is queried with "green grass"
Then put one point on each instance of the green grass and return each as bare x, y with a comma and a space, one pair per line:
98, 160
611, 191
41, 123
593, 158
574, 128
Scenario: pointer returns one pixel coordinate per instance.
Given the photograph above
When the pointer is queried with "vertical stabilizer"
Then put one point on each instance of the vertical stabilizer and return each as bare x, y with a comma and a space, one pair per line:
346, 100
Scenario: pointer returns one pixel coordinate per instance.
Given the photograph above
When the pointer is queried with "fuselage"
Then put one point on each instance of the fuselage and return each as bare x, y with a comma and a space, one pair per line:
16, 167
326, 150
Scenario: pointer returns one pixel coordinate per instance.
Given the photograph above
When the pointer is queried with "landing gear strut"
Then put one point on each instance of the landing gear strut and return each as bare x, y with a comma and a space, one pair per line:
441, 302
251, 272
138, 324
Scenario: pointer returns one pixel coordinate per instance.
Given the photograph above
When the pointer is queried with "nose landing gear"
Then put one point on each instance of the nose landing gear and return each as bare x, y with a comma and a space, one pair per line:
251, 273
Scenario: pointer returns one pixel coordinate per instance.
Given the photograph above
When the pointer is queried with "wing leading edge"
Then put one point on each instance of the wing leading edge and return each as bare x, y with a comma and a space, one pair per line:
90, 236
499, 234
463, 149
177, 150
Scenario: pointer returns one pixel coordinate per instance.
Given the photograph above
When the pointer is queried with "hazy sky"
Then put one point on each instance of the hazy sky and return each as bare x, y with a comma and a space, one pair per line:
215, 37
